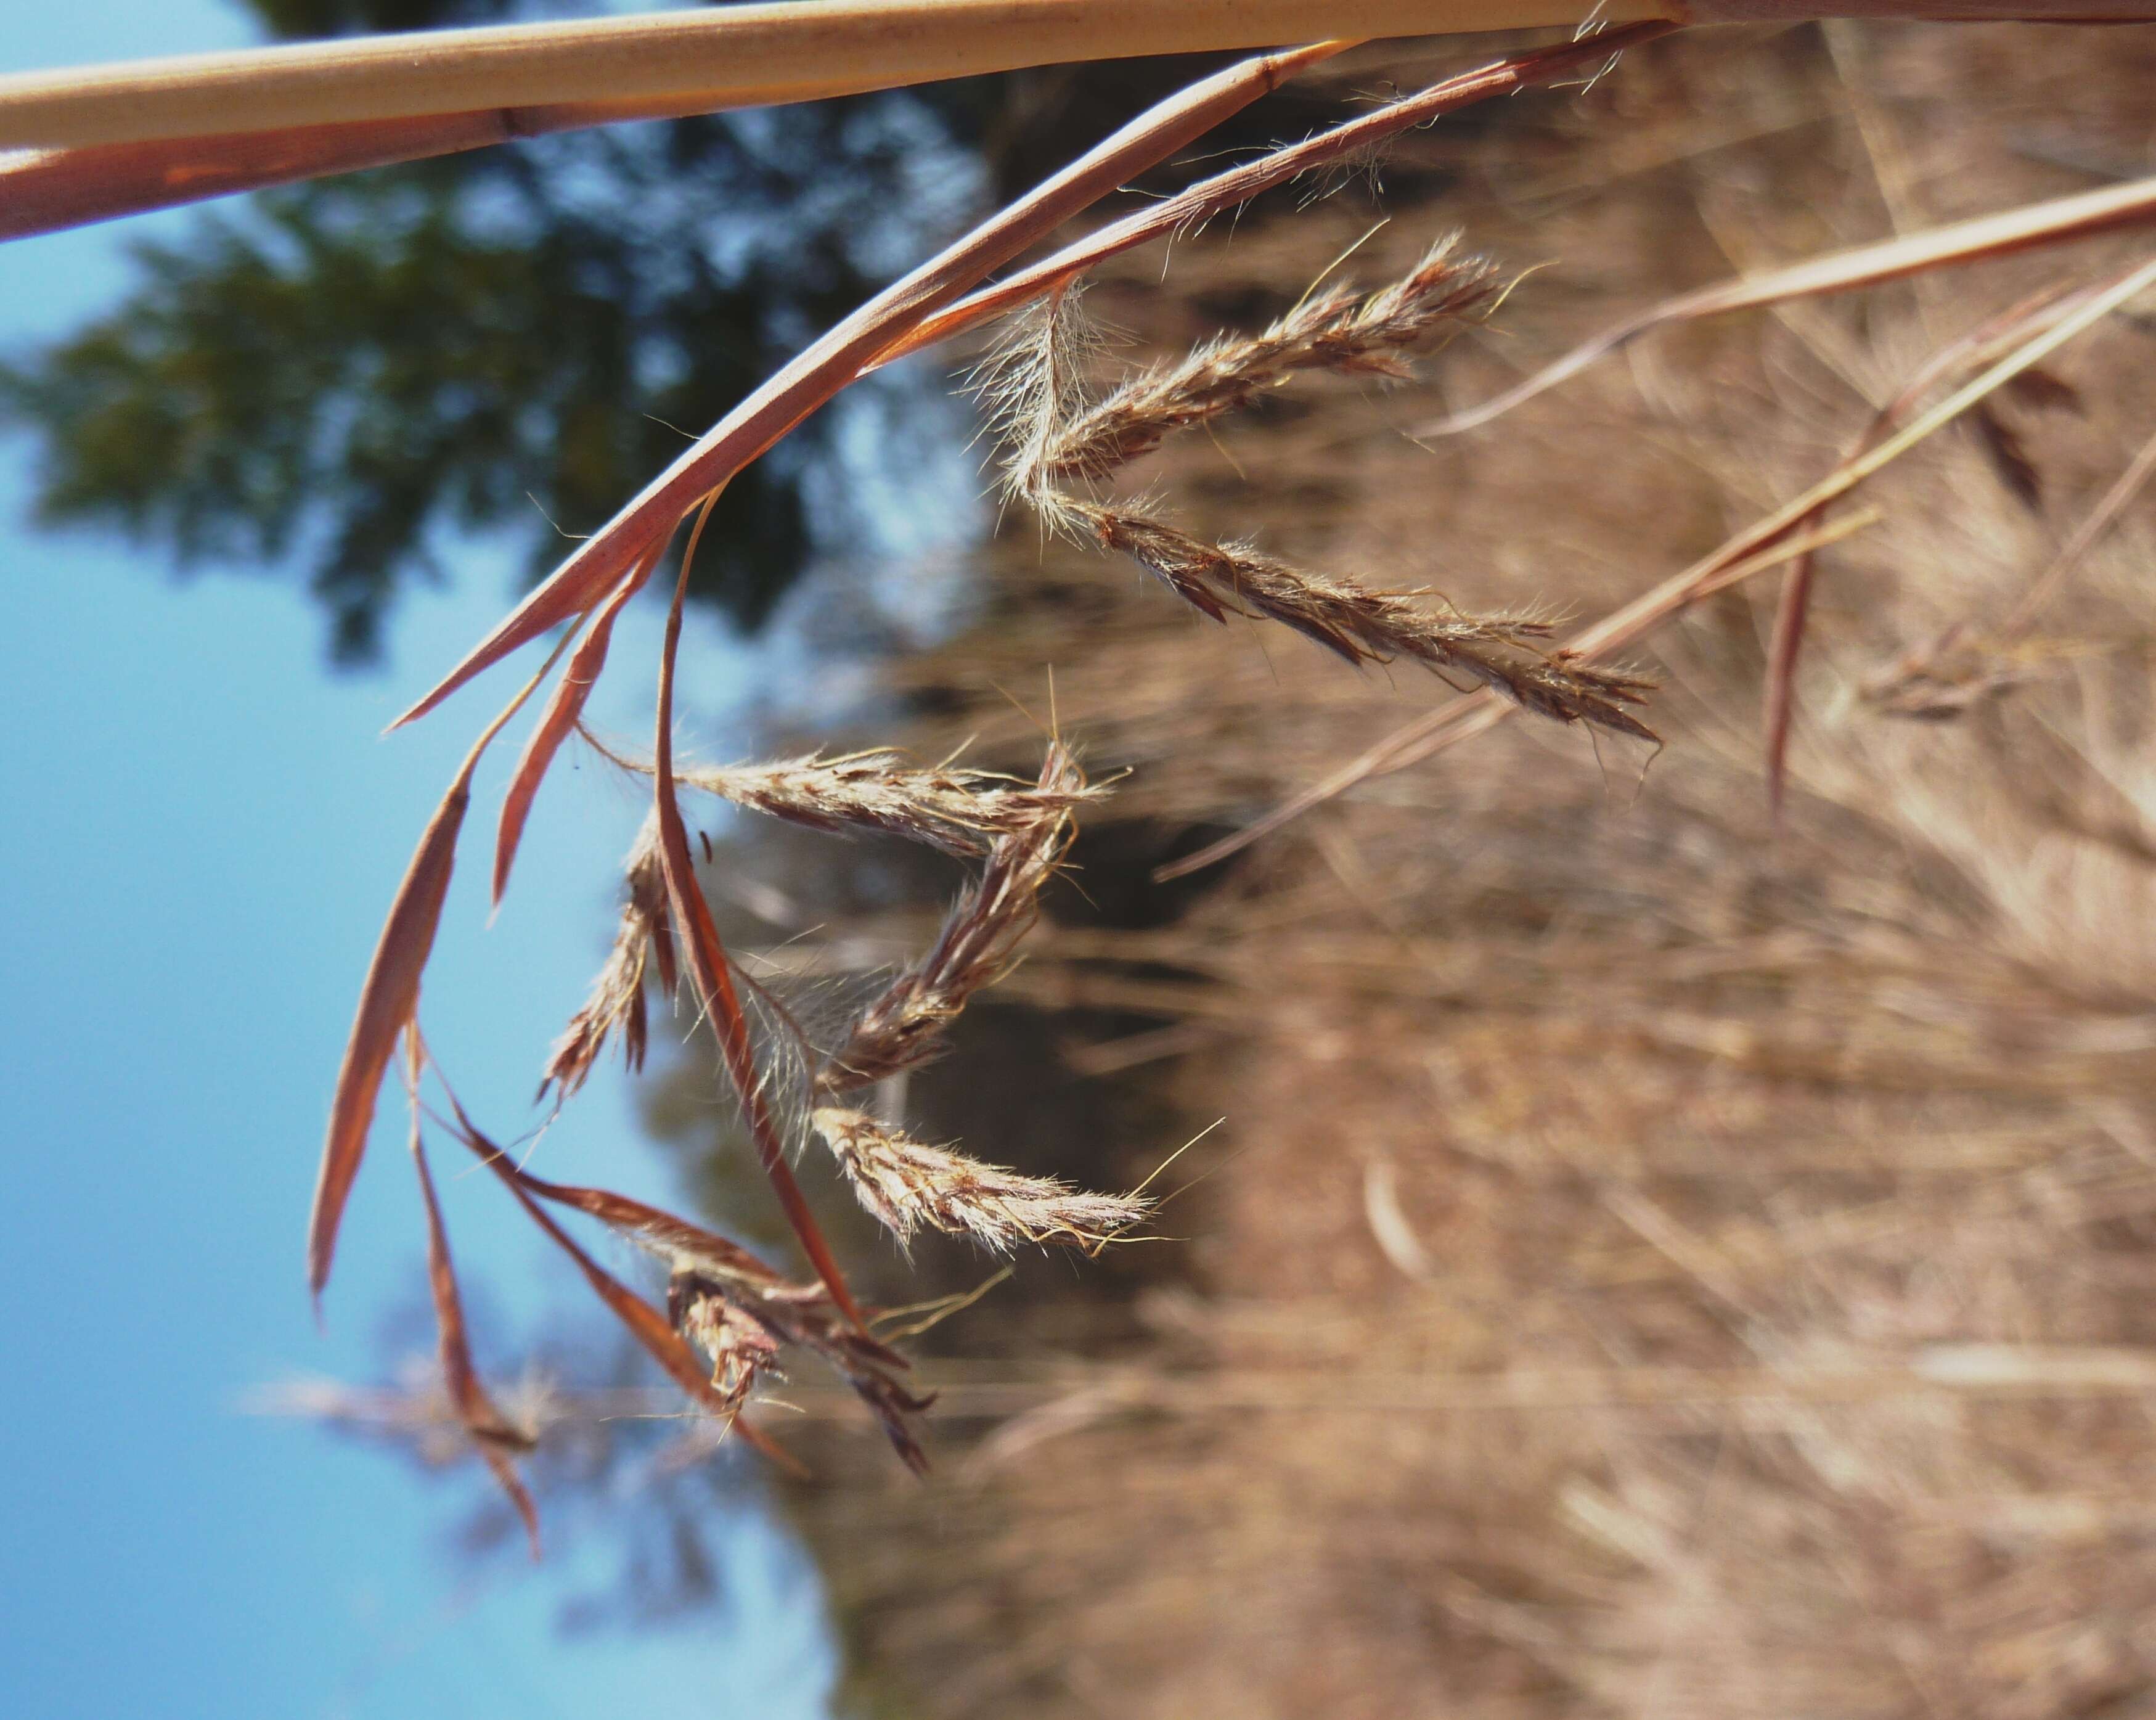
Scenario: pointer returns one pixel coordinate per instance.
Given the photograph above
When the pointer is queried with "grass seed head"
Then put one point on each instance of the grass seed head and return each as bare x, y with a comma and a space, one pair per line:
903, 1026
616, 1002
1338, 329
906, 1185
961, 812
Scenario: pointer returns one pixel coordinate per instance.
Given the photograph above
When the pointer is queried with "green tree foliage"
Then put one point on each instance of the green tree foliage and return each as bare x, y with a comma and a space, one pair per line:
329, 375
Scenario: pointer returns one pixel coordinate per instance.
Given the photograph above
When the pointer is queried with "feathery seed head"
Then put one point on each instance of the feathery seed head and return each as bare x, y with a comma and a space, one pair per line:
903, 1026
906, 1184
642, 940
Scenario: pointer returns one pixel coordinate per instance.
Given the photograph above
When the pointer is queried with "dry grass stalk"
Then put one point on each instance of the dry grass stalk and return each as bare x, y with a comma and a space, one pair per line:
742, 1316
2056, 221
1028, 831
1980, 346
49, 190
904, 1027
745, 55
1756, 1321
1960, 668
931, 304
906, 1185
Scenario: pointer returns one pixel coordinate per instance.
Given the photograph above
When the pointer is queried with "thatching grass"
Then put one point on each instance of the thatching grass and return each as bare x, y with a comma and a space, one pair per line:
1652, 1264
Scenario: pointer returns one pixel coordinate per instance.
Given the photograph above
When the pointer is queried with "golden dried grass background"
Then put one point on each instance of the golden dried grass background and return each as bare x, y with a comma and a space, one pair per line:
1650, 1265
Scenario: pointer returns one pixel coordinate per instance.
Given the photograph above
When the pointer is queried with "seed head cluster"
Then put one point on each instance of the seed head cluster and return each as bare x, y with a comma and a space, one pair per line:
903, 1026
1059, 449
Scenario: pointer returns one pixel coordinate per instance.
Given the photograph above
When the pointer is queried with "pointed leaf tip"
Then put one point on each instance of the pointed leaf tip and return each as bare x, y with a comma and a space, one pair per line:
558, 721
387, 1001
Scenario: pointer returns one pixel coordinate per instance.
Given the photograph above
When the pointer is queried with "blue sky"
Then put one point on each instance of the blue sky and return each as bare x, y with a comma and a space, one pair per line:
204, 828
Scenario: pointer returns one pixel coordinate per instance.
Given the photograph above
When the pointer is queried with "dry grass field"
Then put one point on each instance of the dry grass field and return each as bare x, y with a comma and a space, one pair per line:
1650, 1262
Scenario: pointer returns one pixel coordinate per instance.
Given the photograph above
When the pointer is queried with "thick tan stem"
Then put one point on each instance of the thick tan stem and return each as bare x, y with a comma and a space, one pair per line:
724, 57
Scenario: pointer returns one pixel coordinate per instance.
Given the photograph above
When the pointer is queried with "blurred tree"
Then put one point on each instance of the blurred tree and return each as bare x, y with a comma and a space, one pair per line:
331, 372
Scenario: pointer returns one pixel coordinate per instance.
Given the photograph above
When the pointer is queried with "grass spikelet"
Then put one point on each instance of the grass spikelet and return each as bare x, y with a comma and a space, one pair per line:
1366, 626
1032, 381
643, 940
904, 1026
959, 811
1336, 330
905, 1184
739, 1347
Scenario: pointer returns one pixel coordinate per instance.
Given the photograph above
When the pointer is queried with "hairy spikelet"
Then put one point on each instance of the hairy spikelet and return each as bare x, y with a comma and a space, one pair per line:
1362, 625
741, 1347
904, 1025
642, 941
945, 806
1336, 329
961, 812
1032, 381
906, 1185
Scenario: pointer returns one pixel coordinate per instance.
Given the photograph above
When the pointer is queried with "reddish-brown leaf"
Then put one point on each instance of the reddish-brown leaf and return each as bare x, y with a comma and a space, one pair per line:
634, 1219
387, 1001
390, 995
519, 1497
556, 724
645, 1323
1195, 204
493, 1435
